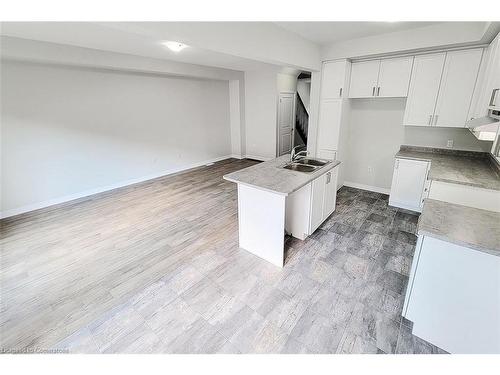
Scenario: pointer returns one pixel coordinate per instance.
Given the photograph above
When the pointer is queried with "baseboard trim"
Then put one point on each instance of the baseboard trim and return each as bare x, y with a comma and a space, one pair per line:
257, 157
375, 189
237, 156
102, 189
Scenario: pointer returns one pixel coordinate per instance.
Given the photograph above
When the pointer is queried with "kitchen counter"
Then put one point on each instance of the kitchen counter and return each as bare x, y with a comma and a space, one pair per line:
466, 226
458, 167
271, 176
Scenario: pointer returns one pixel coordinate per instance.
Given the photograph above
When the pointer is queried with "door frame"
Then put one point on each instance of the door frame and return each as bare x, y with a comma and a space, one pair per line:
294, 93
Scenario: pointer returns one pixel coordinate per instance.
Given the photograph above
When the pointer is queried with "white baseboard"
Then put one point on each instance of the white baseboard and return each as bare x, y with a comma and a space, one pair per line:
375, 189
257, 157
102, 189
237, 156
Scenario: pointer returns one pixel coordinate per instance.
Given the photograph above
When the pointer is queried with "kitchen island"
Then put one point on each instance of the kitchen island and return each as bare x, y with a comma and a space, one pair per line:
273, 200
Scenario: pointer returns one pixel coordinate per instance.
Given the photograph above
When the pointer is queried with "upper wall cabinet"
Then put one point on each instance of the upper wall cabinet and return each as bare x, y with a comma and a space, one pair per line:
441, 88
457, 86
364, 79
394, 77
385, 78
487, 92
424, 89
333, 79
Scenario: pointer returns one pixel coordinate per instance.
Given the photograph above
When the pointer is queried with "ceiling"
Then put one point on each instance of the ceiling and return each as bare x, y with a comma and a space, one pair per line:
134, 39
331, 32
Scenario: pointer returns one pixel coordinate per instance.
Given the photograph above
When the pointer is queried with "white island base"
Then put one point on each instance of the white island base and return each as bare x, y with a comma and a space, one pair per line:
261, 219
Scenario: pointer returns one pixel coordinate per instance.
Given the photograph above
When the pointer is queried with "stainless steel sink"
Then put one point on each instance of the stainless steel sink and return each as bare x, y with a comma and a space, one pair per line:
300, 167
311, 161
306, 165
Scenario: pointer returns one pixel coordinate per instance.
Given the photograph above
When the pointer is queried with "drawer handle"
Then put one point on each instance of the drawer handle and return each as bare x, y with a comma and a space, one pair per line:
340, 92
373, 91
378, 91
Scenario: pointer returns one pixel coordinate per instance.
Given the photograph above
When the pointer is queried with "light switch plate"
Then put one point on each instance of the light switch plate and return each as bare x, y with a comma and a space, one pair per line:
449, 144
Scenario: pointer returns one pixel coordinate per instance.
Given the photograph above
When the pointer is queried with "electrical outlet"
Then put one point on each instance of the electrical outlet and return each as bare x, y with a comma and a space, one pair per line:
449, 144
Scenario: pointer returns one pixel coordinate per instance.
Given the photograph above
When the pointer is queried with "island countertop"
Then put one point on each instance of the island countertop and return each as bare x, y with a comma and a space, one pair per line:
457, 167
465, 226
271, 176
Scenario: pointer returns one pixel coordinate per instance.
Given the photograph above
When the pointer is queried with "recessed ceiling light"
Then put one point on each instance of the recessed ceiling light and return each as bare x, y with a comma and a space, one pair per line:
175, 46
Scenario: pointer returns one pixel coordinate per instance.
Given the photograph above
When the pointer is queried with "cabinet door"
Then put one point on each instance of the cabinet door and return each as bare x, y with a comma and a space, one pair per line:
329, 124
317, 197
408, 181
333, 78
424, 88
489, 72
330, 193
364, 78
394, 77
456, 89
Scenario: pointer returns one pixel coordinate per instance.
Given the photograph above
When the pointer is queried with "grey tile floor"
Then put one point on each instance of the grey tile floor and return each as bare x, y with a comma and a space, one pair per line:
341, 291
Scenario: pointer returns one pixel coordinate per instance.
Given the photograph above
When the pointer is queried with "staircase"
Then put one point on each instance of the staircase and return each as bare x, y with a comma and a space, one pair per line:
301, 122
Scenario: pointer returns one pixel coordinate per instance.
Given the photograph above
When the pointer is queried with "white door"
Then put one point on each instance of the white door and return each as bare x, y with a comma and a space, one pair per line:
317, 197
408, 181
457, 86
329, 124
424, 88
364, 78
285, 123
330, 193
332, 80
394, 77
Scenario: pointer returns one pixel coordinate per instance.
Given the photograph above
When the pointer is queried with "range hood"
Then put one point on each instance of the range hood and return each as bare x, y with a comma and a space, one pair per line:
485, 128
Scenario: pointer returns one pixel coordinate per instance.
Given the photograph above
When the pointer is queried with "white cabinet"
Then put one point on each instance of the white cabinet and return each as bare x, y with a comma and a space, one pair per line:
441, 88
453, 297
333, 79
318, 189
310, 206
424, 89
330, 193
364, 79
380, 78
488, 86
409, 182
330, 113
457, 86
394, 77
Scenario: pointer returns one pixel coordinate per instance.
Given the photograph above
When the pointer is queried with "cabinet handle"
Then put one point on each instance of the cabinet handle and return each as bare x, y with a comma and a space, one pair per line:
378, 91
430, 120
328, 177
493, 97
340, 92
373, 91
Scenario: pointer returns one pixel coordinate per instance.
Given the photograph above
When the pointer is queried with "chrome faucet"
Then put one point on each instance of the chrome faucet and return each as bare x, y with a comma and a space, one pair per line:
294, 155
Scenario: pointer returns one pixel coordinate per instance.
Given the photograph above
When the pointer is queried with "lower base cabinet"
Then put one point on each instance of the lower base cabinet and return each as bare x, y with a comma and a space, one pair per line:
310, 206
453, 297
409, 184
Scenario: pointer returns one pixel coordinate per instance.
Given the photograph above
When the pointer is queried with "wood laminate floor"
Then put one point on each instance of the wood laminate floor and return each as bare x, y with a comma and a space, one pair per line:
155, 267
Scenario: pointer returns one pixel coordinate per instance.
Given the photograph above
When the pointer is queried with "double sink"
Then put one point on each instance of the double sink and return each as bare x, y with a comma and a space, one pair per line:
306, 164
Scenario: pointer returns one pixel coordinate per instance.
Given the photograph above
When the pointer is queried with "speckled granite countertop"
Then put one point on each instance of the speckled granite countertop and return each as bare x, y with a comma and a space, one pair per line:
466, 226
271, 176
458, 167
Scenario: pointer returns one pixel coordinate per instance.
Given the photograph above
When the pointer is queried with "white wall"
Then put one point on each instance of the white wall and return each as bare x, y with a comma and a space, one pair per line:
68, 132
304, 90
375, 134
261, 113
423, 38
286, 82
